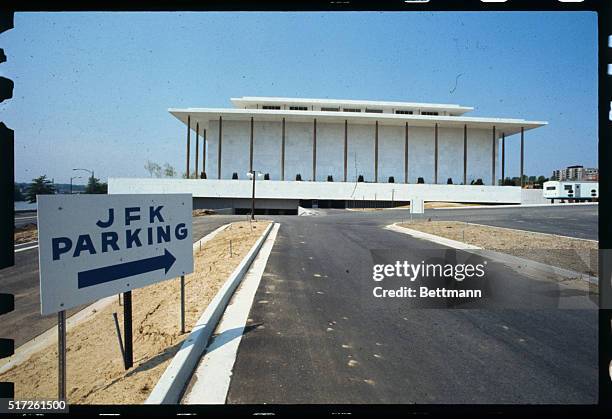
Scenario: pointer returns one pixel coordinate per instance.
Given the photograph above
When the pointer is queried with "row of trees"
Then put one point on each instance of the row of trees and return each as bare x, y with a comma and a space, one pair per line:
166, 170
157, 170
44, 186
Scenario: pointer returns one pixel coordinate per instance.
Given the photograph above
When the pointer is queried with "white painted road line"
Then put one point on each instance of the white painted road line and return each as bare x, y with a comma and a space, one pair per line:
25, 244
211, 379
21, 249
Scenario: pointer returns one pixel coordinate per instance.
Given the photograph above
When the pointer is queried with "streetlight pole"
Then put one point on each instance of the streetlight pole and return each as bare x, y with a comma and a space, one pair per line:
253, 174
73, 177
253, 196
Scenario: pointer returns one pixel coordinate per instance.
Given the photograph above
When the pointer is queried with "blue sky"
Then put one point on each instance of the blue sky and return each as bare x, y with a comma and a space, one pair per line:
92, 89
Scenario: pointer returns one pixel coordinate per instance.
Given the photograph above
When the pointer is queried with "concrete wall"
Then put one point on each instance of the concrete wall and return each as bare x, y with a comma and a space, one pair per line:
391, 153
421, 154
292, 190
226, 205
212, 148
361, 151
267, 139
479, 155
533, 196
298, 150
330, 151
450, 155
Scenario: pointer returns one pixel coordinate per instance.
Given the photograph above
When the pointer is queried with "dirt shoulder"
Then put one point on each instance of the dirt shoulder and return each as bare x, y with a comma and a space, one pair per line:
95, 373
26, 234
564, 252
428, 205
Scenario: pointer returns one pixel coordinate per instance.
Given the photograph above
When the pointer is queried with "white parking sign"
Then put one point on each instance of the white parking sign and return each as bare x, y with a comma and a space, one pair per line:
94, 246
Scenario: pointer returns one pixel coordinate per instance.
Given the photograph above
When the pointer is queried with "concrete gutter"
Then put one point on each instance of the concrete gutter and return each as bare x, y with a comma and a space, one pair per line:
173, 381
528, 266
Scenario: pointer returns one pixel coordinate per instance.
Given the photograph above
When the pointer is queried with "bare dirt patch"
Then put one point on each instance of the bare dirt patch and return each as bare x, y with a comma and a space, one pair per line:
26, 234
202, 212
564, 252
95, 373
448, 205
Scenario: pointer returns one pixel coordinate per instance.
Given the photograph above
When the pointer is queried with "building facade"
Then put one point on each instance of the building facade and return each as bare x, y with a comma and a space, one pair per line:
327, 141
578, 173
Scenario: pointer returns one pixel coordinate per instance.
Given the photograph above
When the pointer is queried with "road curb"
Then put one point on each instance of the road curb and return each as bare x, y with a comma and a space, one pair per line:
538, 268
198, 245
175, 378
519, 206
432, 238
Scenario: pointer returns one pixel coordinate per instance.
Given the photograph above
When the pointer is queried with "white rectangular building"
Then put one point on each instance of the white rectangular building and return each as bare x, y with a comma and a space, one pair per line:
369, 145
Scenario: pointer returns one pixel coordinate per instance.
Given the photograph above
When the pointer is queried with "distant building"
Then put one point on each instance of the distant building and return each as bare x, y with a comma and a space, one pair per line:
579, 173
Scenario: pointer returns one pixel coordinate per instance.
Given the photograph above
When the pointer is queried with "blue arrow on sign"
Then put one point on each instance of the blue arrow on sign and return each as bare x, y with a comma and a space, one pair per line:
124, 270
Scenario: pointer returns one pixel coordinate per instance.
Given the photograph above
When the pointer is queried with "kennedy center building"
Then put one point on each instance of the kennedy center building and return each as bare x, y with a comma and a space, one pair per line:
339, 153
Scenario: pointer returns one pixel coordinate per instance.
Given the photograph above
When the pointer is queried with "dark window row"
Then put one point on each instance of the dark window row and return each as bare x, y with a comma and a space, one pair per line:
331, 109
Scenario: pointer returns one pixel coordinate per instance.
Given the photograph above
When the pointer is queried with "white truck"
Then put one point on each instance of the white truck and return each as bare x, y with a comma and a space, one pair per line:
573, 191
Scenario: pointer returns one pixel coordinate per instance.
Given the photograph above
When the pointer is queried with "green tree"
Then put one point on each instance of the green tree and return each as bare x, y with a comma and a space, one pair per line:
18, 195
39, 186
94, 186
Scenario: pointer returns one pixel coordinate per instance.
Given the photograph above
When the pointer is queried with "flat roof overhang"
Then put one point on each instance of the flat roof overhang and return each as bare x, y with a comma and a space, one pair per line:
262, 100
202, 116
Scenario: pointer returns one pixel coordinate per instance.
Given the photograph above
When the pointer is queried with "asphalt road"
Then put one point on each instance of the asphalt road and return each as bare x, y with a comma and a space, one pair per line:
24, 218
579, 221
22, 280
317, 316
320, 336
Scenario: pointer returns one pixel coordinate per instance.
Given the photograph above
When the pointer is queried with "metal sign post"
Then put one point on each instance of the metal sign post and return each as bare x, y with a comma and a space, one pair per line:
61, 355
182, 303
127, 330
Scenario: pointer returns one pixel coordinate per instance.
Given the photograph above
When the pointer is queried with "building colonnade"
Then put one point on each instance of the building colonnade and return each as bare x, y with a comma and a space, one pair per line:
375, 143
